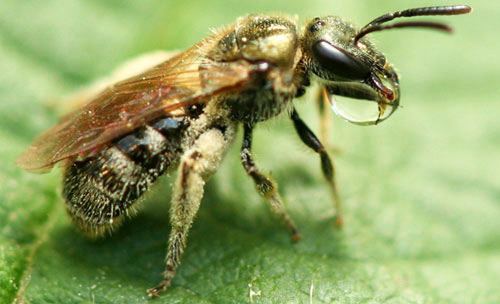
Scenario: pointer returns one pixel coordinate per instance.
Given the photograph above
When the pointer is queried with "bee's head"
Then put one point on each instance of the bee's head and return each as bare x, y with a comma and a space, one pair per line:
349, 65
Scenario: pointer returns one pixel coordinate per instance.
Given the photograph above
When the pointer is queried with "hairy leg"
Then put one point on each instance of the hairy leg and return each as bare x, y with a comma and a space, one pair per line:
266, 187
197, 164
308, 137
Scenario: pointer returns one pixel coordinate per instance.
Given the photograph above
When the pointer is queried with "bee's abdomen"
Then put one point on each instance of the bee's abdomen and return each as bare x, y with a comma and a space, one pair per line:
99, 190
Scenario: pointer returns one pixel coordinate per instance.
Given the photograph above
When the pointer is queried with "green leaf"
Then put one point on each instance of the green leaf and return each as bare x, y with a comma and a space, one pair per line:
421, 191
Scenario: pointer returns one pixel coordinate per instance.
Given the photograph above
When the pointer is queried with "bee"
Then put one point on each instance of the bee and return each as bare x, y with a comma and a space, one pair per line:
185, 111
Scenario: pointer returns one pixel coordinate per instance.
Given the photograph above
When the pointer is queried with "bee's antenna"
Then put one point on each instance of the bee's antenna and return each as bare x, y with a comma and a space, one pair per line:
377, 24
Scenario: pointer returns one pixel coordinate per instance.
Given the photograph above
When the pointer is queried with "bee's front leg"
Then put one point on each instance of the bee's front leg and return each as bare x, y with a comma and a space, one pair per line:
197, 164
307, 136
323, 104
265, 185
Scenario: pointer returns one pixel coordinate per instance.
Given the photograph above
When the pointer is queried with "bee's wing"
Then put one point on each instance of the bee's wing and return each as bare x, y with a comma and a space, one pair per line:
165, 90
128, 69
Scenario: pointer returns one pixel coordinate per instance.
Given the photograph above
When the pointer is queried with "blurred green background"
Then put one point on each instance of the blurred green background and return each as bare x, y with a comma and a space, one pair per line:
421, 191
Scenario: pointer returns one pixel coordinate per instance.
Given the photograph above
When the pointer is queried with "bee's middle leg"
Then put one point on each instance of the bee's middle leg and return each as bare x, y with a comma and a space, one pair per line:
197, 164
265, 185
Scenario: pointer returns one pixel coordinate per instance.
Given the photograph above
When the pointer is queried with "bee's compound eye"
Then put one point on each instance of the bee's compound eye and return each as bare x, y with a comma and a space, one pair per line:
339, 62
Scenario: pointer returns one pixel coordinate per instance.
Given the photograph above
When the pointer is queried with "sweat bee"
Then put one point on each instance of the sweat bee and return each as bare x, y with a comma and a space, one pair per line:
184, 113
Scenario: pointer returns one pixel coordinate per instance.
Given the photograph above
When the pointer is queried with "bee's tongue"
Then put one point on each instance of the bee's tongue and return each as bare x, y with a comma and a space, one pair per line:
375, 81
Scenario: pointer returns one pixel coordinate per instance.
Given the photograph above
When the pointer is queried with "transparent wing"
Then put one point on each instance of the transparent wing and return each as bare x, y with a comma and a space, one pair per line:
165, 90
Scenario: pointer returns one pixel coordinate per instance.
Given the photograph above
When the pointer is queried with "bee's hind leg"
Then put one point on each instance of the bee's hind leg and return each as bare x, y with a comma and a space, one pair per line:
197, 164
265, 185
307, 136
